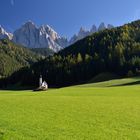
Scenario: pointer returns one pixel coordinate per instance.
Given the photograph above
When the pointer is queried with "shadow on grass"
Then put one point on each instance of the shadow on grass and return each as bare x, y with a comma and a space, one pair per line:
127, 84
1, 135
18, 88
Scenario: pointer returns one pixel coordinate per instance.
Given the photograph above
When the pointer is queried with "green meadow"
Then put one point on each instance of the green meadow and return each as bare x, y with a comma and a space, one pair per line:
100, 111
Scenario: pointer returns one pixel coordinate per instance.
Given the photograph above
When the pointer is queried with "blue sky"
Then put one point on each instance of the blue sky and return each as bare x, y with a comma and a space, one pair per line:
67, 16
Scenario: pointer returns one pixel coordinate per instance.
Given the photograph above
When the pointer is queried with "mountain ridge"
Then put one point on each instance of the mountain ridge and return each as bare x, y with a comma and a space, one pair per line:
114, 51
4, 34
32, 36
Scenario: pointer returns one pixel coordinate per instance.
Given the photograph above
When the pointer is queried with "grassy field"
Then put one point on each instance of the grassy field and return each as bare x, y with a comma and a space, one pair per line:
87, 112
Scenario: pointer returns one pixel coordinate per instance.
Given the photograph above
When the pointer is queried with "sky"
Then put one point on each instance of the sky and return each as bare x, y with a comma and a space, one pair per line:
67, 16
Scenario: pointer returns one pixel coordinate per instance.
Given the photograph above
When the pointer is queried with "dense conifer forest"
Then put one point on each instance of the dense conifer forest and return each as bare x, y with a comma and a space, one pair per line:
14, 57
114, 50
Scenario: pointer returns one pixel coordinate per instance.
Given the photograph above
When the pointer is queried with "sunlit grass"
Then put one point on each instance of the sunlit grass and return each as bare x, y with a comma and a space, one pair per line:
73, 113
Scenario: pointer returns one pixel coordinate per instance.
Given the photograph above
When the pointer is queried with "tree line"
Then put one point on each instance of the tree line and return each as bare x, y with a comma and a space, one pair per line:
114, 50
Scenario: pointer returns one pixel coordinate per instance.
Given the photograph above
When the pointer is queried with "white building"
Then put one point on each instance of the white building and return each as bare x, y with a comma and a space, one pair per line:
42, 84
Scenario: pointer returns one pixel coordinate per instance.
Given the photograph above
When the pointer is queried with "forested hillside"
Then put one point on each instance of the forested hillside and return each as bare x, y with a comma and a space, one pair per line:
43, 51
114, 50
13, 57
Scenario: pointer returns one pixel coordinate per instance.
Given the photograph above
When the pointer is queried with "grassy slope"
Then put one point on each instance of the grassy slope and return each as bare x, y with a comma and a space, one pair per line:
103, 77
74, 113
117, 82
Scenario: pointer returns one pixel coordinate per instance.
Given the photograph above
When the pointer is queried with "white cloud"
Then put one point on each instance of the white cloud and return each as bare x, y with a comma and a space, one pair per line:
12, 2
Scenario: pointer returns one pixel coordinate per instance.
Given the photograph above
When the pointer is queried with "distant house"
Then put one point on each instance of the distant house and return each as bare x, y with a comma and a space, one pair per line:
42, 85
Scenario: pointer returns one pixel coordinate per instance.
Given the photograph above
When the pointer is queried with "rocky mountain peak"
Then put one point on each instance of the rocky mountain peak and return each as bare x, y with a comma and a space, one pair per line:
4, 34
32, 36
29, 35
102, 26
109, 26
93, 29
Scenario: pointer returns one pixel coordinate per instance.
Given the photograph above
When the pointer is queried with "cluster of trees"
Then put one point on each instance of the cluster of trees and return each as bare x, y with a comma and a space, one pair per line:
116, 51
43, 51
13, 57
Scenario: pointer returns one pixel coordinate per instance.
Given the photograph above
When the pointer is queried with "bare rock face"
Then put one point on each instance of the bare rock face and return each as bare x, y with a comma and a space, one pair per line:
4, 34
81, 34
102, 27
26, 35
84, 33
93, 29
29, 35
109, 26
